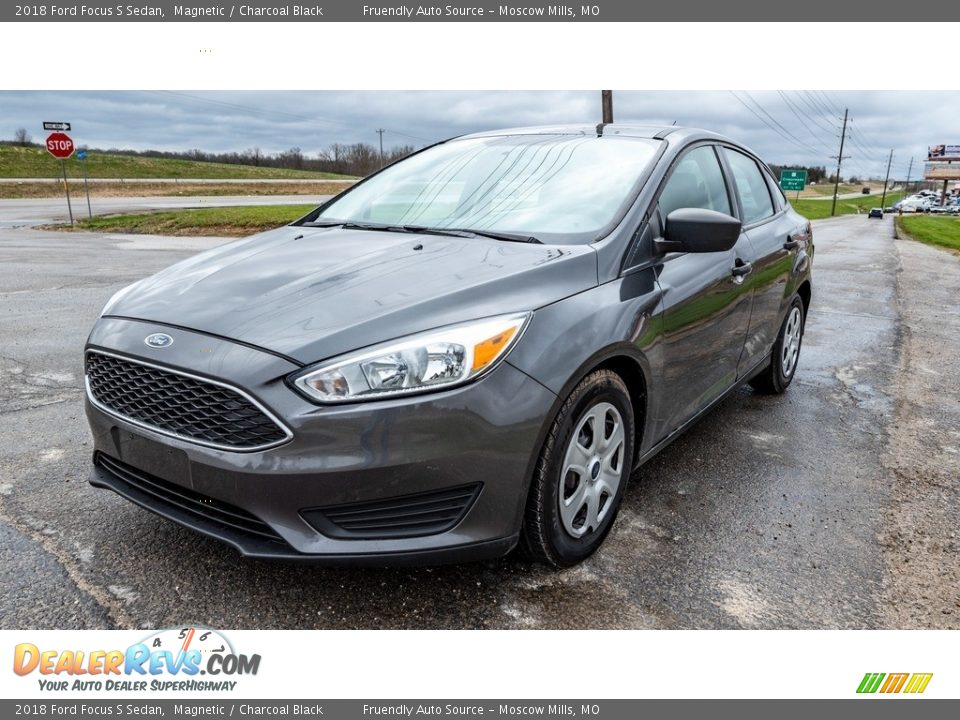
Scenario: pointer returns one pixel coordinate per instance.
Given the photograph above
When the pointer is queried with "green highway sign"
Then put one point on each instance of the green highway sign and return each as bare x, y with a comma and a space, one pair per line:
793, 179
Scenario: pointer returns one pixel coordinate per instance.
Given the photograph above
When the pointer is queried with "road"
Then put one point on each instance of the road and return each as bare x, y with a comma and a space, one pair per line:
807, 510
40, 211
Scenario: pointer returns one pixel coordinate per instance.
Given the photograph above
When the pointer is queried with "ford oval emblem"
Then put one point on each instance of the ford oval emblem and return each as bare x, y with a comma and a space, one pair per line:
158, 340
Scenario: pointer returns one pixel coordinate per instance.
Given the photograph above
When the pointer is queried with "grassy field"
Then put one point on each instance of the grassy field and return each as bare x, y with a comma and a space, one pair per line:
31, 162
819, 209
931, 229
826, 188
226, 222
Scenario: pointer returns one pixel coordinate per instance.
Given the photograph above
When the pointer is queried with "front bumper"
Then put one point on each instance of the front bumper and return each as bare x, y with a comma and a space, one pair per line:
484, 435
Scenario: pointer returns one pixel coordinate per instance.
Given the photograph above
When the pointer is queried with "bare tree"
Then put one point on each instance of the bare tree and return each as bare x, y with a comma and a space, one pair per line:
22, 137
292, 158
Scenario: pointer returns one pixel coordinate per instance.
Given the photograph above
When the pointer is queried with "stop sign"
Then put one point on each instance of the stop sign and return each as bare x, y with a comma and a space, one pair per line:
60, 145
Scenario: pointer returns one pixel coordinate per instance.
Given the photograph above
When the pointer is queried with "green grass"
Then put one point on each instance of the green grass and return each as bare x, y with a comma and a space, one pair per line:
30, 162
819, 209
931, 229
228, 221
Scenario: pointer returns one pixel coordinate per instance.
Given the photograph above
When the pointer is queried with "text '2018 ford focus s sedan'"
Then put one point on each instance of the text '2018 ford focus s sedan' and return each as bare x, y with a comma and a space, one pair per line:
471, 349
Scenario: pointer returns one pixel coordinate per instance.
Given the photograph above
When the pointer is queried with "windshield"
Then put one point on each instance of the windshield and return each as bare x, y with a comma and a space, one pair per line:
558, 188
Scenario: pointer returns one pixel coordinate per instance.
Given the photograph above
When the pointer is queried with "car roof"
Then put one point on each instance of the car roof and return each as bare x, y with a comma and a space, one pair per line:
634, 130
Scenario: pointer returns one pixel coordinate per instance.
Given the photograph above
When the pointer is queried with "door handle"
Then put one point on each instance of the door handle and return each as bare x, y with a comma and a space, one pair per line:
741, 269
791, 244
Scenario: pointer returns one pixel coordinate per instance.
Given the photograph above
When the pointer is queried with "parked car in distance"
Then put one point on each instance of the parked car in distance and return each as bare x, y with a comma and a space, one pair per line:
865, 191
467, 351
875, 213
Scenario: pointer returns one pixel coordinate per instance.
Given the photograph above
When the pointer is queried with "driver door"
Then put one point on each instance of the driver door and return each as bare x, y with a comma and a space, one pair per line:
706, 301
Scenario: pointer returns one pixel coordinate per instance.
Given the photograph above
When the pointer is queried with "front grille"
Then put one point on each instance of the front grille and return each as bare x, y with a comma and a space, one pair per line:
180, 405
168, 494
416, 515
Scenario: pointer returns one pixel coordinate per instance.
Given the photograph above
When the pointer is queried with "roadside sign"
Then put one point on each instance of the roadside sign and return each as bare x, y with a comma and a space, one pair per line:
941, 171
59, 145
793, 180
82, 157
943, 152
53, 125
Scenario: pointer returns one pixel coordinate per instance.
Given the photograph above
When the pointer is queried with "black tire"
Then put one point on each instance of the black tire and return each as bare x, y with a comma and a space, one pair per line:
543, 536
773, 379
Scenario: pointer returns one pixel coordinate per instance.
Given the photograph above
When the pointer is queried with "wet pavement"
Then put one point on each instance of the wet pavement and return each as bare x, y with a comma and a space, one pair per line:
769, 513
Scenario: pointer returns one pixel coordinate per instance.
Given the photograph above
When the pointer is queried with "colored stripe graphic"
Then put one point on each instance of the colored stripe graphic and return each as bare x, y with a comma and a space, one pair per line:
894, 682
870, 682
918, 683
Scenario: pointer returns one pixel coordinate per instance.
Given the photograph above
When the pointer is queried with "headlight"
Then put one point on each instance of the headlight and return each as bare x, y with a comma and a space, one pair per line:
433, 360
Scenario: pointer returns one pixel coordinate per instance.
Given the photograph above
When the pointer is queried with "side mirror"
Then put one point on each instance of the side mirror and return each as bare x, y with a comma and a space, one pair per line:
697, 230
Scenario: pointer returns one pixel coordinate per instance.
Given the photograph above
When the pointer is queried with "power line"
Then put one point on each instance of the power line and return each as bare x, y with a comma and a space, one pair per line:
785, 136
829, 102
764, 111
815, 117
796, 112
821, 108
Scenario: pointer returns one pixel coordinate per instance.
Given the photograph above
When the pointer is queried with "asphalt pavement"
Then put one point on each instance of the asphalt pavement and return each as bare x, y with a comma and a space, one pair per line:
772, 512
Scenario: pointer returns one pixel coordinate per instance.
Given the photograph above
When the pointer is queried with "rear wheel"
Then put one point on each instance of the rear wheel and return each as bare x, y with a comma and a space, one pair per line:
778, 375
580, 477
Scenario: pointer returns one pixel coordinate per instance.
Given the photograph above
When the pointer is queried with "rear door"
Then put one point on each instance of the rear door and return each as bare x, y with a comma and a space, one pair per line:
770, 227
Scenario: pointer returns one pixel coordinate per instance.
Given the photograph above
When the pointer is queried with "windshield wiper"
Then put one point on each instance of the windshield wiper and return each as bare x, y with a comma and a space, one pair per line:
352, 225
423, 230
322, 224
509, 237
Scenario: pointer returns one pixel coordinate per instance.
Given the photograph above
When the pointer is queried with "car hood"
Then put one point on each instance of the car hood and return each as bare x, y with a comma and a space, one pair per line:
313, 293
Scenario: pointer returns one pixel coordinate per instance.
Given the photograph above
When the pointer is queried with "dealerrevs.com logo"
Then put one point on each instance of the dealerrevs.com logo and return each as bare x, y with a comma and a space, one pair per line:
890, 683
182, 659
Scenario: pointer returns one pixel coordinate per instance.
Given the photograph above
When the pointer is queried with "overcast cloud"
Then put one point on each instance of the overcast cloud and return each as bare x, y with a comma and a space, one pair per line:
803, 129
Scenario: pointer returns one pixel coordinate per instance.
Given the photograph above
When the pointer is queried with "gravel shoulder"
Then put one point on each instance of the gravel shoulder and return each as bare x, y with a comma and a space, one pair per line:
921, 544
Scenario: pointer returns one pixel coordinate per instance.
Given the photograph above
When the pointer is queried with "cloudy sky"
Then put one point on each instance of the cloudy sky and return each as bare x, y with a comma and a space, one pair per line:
794, 127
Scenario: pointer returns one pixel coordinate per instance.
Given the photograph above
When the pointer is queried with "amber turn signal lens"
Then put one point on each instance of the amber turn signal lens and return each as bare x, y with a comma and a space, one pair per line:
485, 352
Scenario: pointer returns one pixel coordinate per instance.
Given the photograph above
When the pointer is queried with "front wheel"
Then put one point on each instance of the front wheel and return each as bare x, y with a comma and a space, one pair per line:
777, 376
580, 477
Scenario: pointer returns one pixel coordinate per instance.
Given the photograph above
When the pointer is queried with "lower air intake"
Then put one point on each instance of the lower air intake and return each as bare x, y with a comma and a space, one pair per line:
406, 516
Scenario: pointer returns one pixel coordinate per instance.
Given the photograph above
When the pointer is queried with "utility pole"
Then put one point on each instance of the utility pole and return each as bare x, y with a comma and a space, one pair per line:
906, 185
883, 200
606, 99
380, 133
836, 185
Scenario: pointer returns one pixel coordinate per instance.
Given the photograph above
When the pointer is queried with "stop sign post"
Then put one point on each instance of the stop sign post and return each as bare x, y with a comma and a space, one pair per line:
60, 145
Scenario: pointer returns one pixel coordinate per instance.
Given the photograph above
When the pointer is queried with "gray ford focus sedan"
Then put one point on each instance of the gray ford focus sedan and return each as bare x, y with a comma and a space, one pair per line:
468, 351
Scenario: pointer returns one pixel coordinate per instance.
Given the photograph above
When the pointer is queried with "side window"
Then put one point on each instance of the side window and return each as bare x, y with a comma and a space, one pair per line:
696, 182
754, 193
